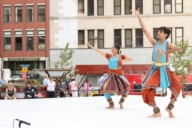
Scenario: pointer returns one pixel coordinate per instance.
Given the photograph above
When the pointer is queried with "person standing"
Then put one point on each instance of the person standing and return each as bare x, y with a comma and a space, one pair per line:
45, 80
62, 86
86, 87
160, 74
74, 87
51, 89
115, 83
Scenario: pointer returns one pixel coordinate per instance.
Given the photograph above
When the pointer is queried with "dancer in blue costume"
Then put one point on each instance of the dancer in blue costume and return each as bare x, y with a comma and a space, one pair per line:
160, 74
115, 82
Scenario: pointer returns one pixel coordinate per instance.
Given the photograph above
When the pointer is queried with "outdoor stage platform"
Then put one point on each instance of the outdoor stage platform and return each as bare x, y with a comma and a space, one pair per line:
90, 112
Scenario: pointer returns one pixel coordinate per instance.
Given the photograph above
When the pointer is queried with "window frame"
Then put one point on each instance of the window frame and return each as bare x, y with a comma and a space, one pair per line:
38, 37
129, 6
176, 33
140, 9
171, 7
117, 38
32, 14
181, 6
79, 10
154, 7
88, 13
21, 43
101, 38
7, 14
136, 34
16, 20
91, 38
83, 37
27, 43
127, 46
100, 7
8, 44
117, 6
39, 14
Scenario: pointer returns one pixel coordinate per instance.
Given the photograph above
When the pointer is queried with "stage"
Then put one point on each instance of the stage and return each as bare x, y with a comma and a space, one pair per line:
90, 112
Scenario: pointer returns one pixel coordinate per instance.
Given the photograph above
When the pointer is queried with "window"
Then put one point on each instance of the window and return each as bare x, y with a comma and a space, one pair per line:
41, 42
117, 7
41, 39
156, 6
178, 6
155, 31
30, 40
91, 37
18, 14
90, 7
168, 6
18, 43
128, 38
7, 40
139, 4
29, 43
117, 36
29, 14
100, 38
7, 14
7, 43
179, 34
81, 37
41, 13
128, 7
100, 7
81, 6
139, 37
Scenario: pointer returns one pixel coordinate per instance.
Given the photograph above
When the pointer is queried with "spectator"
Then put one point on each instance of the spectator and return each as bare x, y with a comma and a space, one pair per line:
51, 89
86, 87
73, 87
102, 78
10, 92
1, 81
45, 80
62, 86
30, 91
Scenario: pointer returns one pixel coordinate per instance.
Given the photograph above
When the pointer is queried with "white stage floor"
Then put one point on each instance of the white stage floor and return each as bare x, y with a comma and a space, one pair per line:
91, 113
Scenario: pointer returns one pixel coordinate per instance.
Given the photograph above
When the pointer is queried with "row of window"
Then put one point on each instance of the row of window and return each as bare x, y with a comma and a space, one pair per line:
19, 40
128, 6
19, 13
129, 39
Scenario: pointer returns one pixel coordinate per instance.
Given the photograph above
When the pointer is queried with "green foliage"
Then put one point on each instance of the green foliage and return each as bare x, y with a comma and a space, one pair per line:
181, 60
65, 56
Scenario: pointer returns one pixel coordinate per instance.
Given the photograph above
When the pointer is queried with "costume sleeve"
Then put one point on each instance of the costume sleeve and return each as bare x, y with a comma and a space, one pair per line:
123, 57
108, 55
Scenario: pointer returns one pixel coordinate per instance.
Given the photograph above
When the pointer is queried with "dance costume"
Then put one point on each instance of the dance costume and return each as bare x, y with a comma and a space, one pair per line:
115, 82
160, 76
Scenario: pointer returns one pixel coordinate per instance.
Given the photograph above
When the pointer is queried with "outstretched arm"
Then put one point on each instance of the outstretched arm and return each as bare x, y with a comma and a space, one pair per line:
127, 59
149, 37
101, 52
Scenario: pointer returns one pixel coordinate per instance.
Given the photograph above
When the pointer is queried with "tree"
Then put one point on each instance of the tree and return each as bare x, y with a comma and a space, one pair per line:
182, 60
65, 56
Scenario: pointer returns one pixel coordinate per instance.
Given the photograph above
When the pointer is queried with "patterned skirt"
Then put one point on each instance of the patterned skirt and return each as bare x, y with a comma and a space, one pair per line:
115, 84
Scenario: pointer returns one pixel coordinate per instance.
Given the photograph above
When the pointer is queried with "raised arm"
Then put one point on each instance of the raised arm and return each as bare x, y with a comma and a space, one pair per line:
101, 52
148, 35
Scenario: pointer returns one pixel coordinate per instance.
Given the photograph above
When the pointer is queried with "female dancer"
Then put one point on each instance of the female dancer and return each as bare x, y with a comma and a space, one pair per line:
115, 82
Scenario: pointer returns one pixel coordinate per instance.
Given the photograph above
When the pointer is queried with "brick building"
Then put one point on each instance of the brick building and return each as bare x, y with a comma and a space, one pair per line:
24, 34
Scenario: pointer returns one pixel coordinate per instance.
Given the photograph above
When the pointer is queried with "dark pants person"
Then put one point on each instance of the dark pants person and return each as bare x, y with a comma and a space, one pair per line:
62, 94
51, 94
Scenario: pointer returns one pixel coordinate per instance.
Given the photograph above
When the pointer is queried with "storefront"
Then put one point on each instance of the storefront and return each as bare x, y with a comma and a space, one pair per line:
14, 64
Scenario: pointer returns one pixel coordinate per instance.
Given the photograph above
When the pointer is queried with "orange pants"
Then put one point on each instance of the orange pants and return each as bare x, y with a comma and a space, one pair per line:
148, 91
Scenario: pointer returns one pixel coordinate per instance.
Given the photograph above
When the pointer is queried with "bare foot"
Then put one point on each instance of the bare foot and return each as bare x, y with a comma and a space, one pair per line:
121, 105
155, 115
170, 113
110, 107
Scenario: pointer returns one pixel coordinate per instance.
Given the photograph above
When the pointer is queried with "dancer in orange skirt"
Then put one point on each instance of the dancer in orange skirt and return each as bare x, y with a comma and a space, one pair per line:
160, 74
115, 81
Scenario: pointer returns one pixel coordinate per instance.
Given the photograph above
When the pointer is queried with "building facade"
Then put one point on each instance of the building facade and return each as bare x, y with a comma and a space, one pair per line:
111, 21
25, 34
